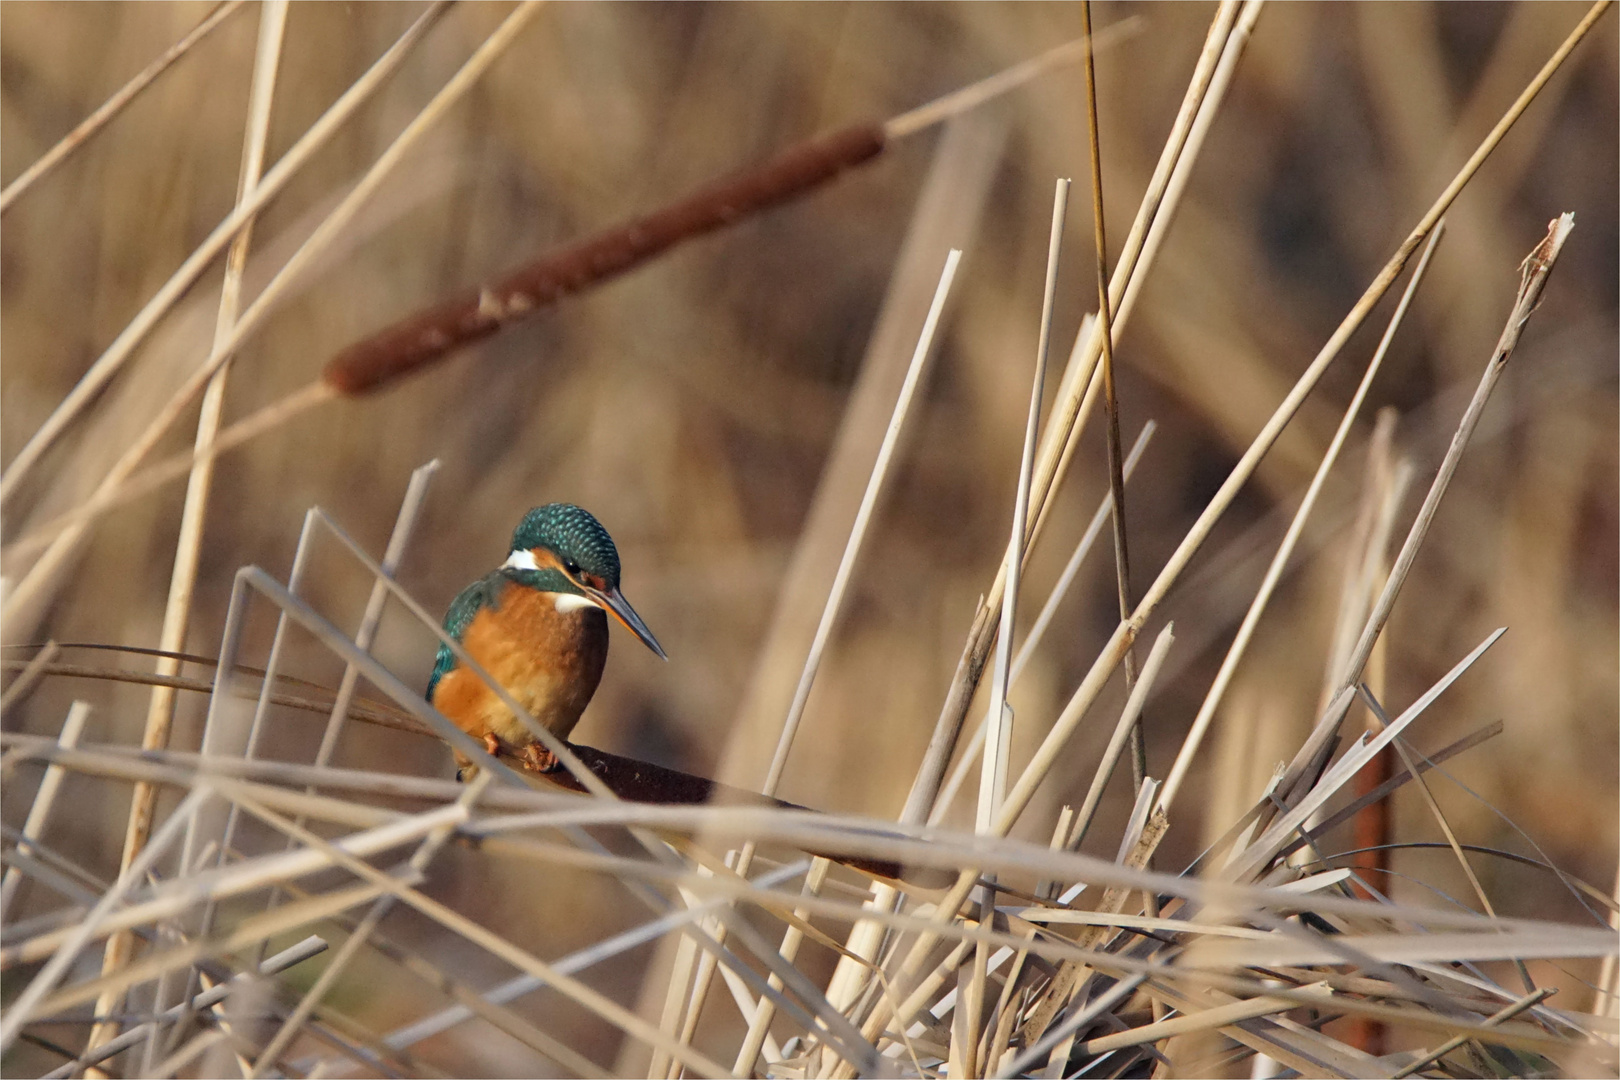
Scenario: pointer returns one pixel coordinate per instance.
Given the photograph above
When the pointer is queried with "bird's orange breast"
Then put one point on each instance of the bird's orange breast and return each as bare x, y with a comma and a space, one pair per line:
550, 661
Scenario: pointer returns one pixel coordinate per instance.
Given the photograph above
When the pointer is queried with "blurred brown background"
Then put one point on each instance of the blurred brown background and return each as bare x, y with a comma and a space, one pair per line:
697, 405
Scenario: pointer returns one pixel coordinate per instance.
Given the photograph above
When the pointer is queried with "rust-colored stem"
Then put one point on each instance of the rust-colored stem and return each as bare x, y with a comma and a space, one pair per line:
429, 335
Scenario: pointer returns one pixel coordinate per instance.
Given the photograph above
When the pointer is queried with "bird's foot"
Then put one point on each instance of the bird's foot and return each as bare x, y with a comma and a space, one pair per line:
537, 758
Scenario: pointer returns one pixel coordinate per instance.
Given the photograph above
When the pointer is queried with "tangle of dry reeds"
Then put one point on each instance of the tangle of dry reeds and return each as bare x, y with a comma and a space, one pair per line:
255, 869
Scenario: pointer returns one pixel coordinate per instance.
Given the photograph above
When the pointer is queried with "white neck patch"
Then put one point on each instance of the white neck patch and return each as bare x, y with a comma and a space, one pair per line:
522, 559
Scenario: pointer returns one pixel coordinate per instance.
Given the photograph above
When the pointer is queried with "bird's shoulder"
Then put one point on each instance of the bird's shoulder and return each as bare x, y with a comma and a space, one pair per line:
481, 594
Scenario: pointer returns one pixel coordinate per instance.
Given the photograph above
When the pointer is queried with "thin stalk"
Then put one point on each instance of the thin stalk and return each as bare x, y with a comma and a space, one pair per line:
319, 133
248, 932
274, 965
1424, 1060
759, 1024
1105, 334
115, 104
965, 1048
418, 863
1126, 632
1128, 718
188, 547
135, 484
1535, 270
857, 532
1533, 280
1037, 631
398, 540
993, 779
39, 811
1296, 528
73, 941
43, 572
1178, 155
38, 665
972, 96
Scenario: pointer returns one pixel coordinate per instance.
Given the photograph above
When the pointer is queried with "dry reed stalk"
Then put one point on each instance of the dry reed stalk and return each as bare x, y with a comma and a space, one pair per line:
1037, 630
410, 508
418, 863
835, 599
188, 547
1534, 273
74, 940
28, 676
1497, 1017
409, 345
1112, 654
114, 356
39, 811
1285, 550
1383, 486
429, 335
245, 934
998, 721
1116, 455
274, 965
42, 576
1210, 79
114, 105
863, 517
1129, 718
966, 1055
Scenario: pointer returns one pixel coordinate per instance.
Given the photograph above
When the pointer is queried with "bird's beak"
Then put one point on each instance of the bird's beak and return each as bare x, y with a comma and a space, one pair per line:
613, 602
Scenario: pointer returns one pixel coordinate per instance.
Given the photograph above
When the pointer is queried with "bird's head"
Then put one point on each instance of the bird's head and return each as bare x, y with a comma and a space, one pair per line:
560, 548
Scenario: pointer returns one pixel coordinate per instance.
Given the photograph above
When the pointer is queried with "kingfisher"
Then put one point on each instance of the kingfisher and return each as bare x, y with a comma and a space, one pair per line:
538, 624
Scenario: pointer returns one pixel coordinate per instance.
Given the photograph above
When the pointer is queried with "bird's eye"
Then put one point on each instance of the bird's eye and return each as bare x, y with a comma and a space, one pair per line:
571, 567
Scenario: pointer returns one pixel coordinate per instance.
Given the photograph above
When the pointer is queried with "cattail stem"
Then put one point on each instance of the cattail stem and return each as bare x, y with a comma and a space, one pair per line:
422, 338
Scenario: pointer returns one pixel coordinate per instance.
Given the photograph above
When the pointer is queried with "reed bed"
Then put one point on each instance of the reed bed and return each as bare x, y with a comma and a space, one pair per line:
1244, 535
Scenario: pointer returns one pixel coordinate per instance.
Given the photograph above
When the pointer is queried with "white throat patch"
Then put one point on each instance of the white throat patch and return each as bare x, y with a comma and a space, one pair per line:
567, 601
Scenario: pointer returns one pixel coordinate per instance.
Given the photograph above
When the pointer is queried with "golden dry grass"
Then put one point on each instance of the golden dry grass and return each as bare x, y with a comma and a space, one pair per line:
701, 406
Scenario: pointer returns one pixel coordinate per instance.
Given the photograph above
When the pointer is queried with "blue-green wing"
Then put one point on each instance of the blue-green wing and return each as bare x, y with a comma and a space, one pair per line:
473, 598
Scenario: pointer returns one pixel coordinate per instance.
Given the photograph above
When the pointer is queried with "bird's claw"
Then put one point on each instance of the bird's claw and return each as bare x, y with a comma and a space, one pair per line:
534, 756
538, 758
